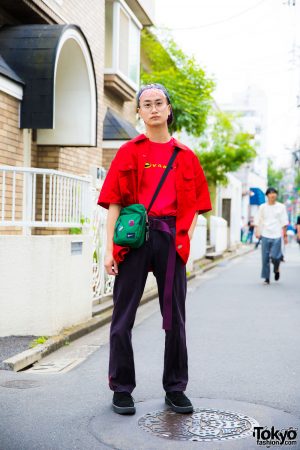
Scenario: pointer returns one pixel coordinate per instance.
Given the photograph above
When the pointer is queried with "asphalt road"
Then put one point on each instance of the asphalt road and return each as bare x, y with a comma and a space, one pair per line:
243, 340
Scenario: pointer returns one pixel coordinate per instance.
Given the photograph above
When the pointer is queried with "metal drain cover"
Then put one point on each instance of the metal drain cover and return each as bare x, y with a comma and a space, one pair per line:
201, 425
20, 384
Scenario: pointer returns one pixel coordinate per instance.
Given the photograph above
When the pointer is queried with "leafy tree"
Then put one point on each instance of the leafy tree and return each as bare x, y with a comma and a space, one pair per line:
275, 176
189, 87
224, 148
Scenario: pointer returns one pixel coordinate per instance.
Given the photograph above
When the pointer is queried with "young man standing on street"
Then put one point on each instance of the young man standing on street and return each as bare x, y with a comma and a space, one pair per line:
270, 225
132, 178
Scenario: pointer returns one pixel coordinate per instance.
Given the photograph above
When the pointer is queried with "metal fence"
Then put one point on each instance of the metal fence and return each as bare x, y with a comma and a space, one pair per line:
102, 283
31, 197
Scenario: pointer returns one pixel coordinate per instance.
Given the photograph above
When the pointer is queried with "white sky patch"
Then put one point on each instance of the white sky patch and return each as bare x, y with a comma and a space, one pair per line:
242, 43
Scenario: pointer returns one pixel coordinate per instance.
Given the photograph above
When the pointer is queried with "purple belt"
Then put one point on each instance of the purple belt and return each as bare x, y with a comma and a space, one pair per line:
165, 224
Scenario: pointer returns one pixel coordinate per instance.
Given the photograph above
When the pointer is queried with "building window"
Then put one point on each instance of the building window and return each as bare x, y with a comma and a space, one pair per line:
122, 42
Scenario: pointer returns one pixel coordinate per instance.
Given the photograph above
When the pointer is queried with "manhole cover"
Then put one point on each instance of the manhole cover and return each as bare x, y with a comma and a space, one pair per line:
20, 384
202, 425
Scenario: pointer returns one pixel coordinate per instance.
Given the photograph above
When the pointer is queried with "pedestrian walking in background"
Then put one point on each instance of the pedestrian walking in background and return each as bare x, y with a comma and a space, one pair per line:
250, 230
132, 179
243, 228
290, 231
271, 225
298, 229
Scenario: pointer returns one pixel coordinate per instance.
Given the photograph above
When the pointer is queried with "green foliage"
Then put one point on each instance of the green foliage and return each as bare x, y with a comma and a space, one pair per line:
38, 341
187, 83
224, 148
274, 176
77, 230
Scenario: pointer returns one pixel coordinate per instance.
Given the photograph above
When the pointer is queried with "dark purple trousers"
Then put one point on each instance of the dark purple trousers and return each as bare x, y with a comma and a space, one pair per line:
128, 290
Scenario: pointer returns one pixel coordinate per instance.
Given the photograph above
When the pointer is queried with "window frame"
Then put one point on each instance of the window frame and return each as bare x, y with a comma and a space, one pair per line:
133, 21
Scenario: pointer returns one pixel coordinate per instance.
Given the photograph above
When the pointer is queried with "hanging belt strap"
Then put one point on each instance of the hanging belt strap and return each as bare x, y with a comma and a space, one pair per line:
164, 226
164, 176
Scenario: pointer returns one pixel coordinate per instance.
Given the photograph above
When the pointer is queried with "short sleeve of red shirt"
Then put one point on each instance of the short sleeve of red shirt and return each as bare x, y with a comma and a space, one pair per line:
110, 191
203, 203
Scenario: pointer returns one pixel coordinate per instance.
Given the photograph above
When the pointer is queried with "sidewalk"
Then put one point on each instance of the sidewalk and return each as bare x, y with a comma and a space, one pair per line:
16, 355
243, 342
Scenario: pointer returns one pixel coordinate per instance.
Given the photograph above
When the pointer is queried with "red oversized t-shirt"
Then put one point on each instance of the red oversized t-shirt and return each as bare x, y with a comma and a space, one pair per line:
158, 158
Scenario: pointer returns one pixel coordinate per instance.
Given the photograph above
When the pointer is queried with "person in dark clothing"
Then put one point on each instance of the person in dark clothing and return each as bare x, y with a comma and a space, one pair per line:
251, 227
132, 178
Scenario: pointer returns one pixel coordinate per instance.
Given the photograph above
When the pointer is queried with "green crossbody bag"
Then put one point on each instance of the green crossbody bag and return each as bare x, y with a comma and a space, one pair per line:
132, 227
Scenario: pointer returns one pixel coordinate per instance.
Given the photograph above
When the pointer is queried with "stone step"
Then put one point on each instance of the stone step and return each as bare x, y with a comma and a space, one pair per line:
210, 248
102, 307
213, 255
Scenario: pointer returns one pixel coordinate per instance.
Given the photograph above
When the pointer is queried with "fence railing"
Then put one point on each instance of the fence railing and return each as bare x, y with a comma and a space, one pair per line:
32, 197
102, 283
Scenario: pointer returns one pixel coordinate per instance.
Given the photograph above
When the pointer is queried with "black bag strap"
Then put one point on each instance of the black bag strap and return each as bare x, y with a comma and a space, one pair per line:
164, 176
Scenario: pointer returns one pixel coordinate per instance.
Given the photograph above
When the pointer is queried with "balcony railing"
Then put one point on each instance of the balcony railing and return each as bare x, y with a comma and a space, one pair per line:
31, 197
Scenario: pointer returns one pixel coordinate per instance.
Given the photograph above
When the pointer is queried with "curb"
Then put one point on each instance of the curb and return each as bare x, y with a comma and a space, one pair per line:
31, 356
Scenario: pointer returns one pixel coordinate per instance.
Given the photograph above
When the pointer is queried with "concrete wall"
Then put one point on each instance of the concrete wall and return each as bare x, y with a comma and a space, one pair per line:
198, 243
218, 233
44, 288
232, 191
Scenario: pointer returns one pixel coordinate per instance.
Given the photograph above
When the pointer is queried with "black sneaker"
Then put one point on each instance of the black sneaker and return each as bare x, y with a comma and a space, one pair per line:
179, 402
123, 403
277, 276
267, 281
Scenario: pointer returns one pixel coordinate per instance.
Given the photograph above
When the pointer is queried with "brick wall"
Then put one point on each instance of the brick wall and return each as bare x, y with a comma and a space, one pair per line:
11, 154
11, 137
76, 160
90, 17
124, 109
34, 154
108, 156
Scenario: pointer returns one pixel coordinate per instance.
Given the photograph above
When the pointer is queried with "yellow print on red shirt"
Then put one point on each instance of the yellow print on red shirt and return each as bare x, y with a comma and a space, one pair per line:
149, 165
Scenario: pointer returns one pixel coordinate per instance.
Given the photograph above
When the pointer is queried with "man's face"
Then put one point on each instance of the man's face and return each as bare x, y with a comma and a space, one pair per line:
272, 196
154, 108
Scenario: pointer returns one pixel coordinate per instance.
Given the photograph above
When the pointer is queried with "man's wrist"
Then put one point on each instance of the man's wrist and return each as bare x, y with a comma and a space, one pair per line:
109, 249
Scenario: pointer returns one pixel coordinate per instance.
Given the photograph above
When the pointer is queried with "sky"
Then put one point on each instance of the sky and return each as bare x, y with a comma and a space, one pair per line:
243, 43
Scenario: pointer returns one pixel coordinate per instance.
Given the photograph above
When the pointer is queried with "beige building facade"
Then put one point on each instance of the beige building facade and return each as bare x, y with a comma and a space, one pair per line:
69, 73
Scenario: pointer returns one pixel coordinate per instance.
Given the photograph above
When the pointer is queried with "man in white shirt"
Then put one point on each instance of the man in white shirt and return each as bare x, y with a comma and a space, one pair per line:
270, 224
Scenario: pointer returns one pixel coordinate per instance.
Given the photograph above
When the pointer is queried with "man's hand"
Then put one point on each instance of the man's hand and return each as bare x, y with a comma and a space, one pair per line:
285, 239
110, 264
257, 235
192, 227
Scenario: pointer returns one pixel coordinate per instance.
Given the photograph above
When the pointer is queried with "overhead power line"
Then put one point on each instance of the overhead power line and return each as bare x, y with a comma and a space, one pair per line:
235, 16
